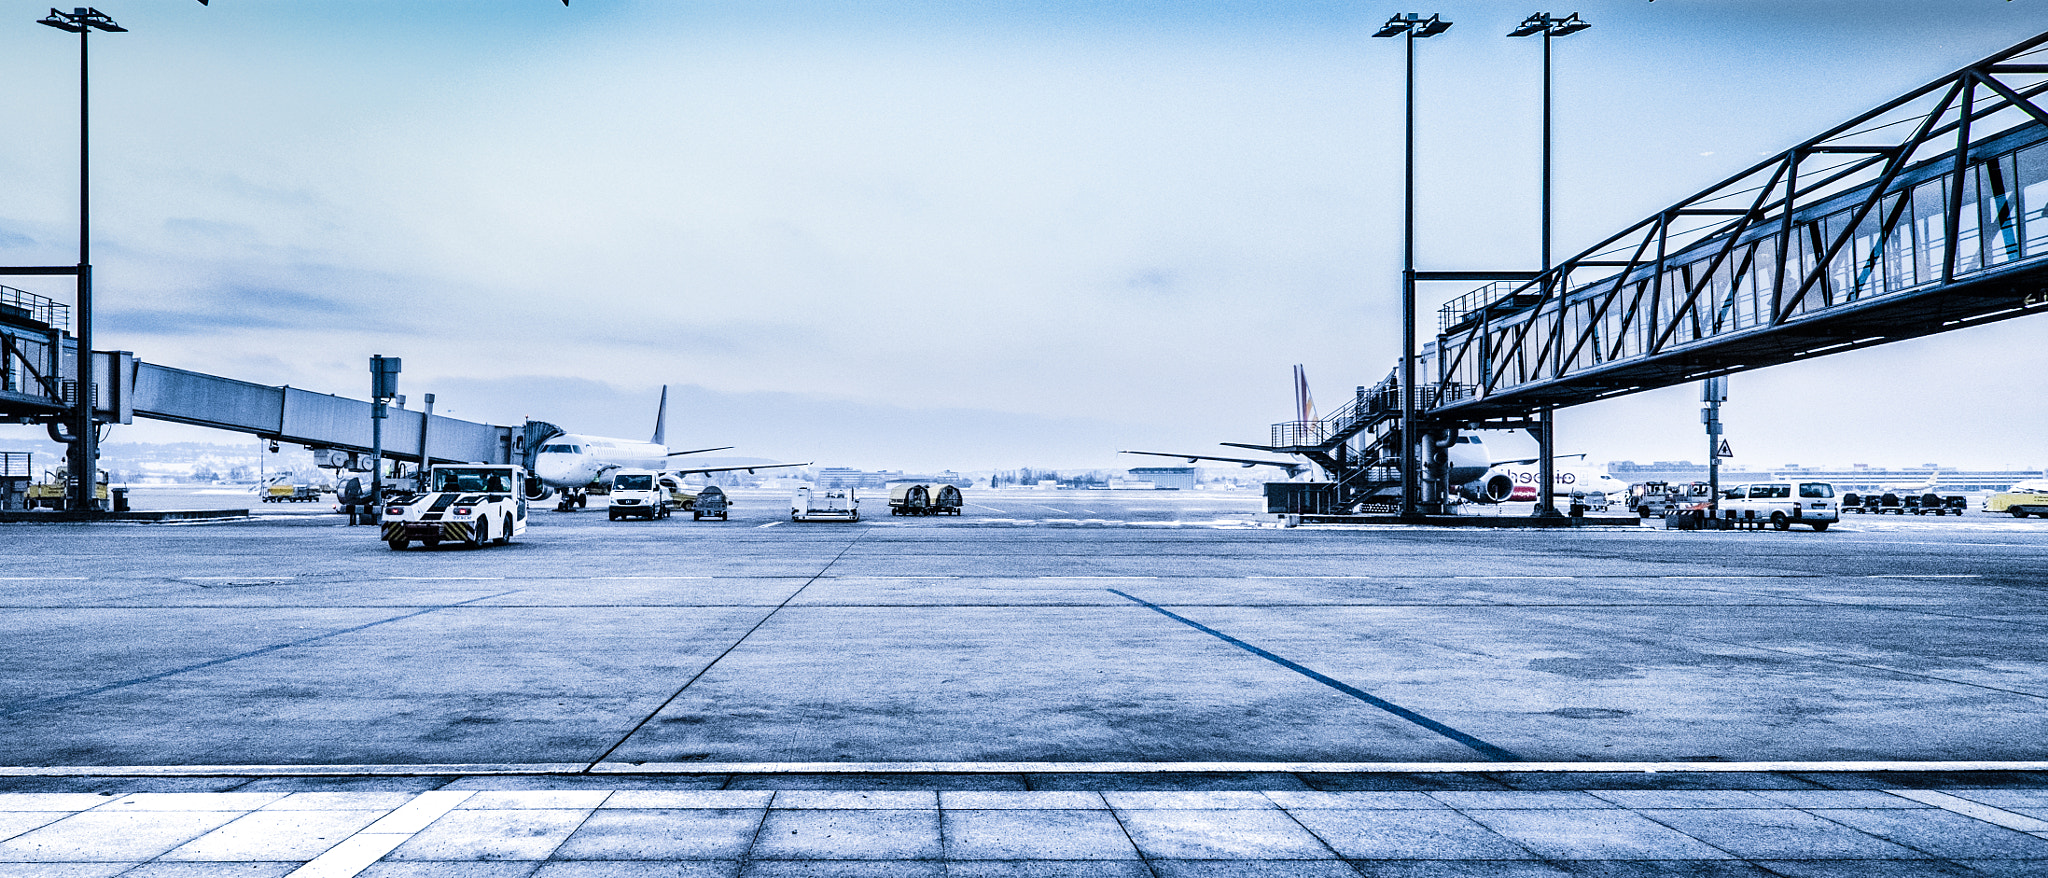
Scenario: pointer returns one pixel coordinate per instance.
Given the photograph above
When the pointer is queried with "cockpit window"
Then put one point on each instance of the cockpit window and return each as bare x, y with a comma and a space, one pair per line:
561, 449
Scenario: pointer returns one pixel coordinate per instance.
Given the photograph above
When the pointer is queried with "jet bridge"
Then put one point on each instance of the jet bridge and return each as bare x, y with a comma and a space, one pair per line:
38, 383
1925, 215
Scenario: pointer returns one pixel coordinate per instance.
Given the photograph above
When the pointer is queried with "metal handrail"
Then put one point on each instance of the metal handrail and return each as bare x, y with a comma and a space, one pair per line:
22, 303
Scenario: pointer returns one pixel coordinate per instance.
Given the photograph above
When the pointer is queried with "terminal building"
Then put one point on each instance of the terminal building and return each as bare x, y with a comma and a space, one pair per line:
1855, 478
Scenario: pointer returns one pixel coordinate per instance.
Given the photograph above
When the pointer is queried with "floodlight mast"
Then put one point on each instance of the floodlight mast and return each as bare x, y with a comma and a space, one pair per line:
1547, 26
83, 463
1410, 25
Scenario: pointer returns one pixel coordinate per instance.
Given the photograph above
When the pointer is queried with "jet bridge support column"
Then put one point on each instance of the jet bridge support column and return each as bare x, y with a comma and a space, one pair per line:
1546, 467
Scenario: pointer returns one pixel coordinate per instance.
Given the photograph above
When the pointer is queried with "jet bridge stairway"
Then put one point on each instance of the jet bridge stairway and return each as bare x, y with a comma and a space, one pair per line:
1357, 448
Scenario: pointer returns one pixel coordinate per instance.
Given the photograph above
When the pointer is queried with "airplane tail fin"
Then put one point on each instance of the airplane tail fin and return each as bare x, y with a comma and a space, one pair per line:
1304, 404
661, 420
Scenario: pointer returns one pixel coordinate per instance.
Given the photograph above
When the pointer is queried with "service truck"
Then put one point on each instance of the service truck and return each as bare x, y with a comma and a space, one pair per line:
472, 504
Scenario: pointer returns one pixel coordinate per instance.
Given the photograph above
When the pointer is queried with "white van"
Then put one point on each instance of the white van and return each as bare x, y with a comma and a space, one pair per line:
1783, 504
637, 494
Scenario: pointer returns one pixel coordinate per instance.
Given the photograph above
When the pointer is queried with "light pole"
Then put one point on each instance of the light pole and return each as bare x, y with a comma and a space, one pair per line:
84, 453
1410, 25
1547, 25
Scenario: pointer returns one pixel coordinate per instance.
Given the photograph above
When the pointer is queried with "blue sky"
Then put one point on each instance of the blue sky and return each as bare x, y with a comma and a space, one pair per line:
1058, 228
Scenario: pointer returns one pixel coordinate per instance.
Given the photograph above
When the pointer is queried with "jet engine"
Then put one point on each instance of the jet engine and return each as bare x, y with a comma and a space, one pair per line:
1493, 488
536, 490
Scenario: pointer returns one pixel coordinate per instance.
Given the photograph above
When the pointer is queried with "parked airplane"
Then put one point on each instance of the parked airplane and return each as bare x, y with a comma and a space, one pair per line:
1473, 471
568, 464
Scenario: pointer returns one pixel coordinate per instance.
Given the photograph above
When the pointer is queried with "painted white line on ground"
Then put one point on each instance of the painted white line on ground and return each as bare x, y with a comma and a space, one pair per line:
769, 524
989, 508
650, 577
1976, 810
573, 769
1923, 576
277, 576
42, 578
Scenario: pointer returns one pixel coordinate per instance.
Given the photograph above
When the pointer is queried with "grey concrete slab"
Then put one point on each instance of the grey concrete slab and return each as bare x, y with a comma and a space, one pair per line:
2032, 803
1943, 834
1547, 801
449, 870
1408, 835
1035, 835
1455, 869
1778, 834
1030, 801
675, 834
843, 869
526, 834
276, 836
849, 835
1251, 869
229, 644
1047, 869
1212, 835
211, 870
1355, 801
94, 836
1685, 798
13, 823
63, 870
687, 869
1594, 835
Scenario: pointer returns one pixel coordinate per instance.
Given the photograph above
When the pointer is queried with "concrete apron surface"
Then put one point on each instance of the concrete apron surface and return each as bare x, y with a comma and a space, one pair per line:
1029, 647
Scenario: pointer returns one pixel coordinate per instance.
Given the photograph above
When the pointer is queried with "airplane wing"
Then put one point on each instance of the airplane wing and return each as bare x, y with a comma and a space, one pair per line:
726, 469
698, 450
1291, 467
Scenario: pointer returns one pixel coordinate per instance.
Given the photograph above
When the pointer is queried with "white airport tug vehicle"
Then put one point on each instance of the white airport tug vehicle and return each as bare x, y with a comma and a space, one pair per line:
473, 504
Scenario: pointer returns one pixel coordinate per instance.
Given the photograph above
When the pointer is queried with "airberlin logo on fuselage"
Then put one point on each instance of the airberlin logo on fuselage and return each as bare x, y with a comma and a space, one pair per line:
1528, 477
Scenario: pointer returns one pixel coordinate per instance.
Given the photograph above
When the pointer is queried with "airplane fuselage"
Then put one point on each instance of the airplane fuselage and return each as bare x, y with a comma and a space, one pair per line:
572, 461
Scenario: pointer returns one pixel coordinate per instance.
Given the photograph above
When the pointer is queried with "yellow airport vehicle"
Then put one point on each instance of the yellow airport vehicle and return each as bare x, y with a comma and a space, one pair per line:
2021, 500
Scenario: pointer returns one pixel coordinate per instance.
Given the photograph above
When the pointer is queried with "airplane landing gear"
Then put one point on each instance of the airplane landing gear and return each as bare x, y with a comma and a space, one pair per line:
571, 501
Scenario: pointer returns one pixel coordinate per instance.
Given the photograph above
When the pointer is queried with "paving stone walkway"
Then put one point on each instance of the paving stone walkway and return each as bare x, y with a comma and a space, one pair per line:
513, 827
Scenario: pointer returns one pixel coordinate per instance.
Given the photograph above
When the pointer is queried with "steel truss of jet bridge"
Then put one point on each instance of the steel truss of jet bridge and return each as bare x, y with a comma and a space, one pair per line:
39, 384
1925, 215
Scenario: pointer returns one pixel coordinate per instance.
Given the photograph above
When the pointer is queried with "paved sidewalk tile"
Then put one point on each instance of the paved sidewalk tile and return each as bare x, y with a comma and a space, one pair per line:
1546, 801
1213, 835
276, 836
211, 870
1188, 801
2030, 803
13, 823
1686, 799
192, 801
1464, 869
51, 801
1035, 835
1594, 835
522, 834
843, 869
1779, 834
1253, 869
508, 800
1409, 835
1048, 869
683, 869
1810, 799
1882, 869
1356, 801
855, 799
63, 870
1943, 833
867, 834
1030, 801
450, 870
373, 800
674, 799
96, 836
676, 834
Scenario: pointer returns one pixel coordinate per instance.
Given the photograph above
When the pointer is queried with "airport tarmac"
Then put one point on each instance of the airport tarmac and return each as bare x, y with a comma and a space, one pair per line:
1056, 640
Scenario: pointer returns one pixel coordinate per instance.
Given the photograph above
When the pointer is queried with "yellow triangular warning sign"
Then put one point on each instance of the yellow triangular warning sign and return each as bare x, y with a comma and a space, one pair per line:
1724, 450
